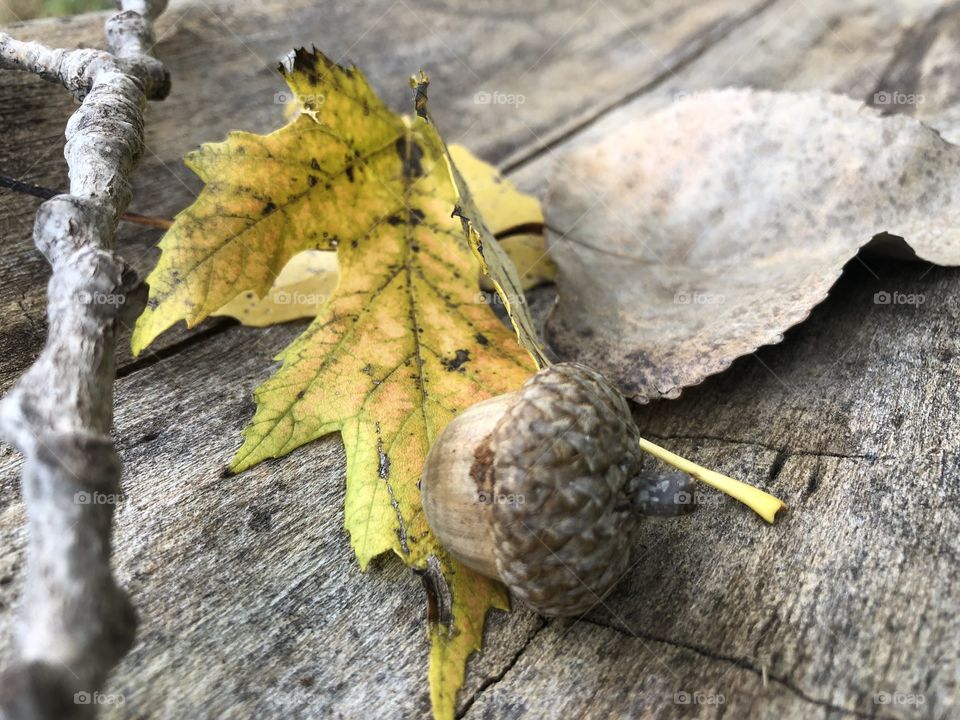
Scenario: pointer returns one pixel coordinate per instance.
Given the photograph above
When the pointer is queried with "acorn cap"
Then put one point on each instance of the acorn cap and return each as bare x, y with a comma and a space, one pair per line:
565, 458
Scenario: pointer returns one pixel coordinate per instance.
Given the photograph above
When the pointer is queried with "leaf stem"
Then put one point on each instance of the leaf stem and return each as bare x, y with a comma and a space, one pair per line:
530, 228
763, 504
161, 223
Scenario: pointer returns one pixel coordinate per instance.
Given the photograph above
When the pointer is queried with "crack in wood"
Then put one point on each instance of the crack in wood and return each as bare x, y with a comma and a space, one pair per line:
689, 52
150, 357
741, 663
787, 453
494, 679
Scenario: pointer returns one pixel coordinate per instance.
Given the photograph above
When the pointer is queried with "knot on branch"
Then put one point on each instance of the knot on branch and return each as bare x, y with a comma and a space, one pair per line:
77, 69
134, 293
81, 461
98, 289
153, 76
129, 34
66, 223
130, 38
105, 139
148, 8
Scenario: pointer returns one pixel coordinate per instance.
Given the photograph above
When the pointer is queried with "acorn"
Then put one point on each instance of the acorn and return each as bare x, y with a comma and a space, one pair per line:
538, 488
542, 488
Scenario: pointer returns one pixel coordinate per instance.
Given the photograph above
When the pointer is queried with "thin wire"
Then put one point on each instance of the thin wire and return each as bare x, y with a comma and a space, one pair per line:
25, 188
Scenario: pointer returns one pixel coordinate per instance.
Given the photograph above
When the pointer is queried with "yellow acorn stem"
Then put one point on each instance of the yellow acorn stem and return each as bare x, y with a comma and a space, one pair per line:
763, 504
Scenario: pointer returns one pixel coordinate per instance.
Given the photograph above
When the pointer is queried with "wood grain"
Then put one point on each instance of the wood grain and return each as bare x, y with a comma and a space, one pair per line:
250, 599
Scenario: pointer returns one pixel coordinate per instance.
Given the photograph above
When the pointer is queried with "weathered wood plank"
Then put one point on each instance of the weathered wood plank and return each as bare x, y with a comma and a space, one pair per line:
252, 604
250, 598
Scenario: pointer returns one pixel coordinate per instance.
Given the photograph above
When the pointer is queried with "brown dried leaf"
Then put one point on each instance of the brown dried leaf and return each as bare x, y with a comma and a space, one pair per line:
700, 233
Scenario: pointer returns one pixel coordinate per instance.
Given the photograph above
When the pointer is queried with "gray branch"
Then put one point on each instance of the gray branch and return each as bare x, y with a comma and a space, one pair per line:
75, 622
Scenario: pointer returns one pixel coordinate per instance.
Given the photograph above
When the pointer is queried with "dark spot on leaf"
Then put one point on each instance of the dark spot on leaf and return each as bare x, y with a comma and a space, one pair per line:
304, 60
416, 216
349, 171
268, 208
482, 339
367, 369
457, 361
314, 164
411, 154
311, 180
394, 220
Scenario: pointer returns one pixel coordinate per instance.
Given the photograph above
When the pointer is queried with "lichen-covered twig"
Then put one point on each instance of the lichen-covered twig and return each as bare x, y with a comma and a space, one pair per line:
75, 623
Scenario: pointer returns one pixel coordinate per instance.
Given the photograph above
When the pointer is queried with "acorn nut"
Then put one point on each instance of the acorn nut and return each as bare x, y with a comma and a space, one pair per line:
537, 488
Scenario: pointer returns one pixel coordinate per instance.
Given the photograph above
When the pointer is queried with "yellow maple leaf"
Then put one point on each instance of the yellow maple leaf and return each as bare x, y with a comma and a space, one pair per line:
402, 345
268, 197
310, 276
